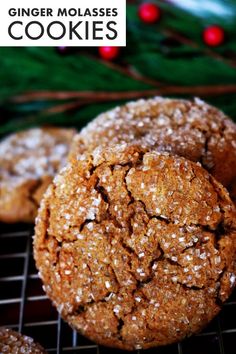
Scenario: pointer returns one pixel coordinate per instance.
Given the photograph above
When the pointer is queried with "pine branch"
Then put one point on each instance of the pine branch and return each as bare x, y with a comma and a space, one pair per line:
40, 86
130, 72
185, 40
113, 96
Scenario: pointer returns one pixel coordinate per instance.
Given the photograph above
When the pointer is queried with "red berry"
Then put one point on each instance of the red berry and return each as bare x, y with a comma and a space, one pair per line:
109, 53
149, 13
213, 36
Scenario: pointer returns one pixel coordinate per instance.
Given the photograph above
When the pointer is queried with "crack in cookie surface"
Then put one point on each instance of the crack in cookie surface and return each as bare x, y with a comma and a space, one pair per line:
192, 129
128, 255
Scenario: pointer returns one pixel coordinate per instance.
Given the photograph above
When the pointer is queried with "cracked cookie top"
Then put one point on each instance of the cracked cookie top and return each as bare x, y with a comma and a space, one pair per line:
192, 129
14, 342
136, 248
28, 162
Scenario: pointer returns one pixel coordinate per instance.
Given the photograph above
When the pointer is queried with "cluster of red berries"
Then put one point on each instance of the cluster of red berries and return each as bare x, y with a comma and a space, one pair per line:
150, 13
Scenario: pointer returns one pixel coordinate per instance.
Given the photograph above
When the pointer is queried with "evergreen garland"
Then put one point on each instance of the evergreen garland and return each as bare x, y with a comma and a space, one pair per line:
41, 86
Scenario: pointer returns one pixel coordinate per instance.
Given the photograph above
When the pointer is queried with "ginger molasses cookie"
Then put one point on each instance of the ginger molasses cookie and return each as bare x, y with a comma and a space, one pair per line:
192, 129
14, 342
136, 249
28, 162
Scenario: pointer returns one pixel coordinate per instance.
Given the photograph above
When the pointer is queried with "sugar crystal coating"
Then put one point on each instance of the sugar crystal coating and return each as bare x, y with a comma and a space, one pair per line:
192, 129
136, 248
28, 162
14, 342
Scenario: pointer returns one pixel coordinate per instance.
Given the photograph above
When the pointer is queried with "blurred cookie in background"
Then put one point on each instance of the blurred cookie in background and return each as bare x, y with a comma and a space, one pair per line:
28, 162
192, 129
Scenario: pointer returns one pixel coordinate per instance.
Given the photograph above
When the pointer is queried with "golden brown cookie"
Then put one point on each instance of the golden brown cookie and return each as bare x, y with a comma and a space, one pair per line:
28, 162
14, 342
192, 129
136, 249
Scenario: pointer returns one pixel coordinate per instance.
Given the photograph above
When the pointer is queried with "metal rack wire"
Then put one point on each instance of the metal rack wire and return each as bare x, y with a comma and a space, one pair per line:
25, 307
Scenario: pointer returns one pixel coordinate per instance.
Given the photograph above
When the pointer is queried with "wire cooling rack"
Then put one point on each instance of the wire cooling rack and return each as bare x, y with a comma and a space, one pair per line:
25, 308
